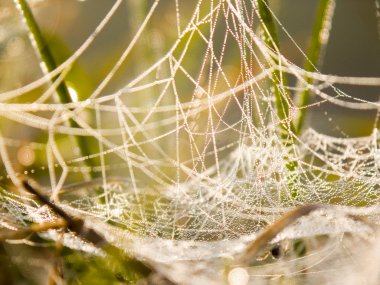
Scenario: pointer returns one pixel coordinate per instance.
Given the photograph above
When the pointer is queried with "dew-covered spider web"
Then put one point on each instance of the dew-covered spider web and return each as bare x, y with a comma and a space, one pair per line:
193, 156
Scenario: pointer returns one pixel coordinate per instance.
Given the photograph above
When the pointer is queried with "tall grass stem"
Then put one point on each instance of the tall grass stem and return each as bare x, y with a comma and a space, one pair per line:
279, 78
46, 56
318, 40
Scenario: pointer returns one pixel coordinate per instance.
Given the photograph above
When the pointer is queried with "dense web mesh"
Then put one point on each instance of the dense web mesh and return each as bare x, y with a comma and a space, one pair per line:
190, 160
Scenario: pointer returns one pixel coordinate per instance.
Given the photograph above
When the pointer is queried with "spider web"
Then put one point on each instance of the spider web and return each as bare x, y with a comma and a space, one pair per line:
188, 158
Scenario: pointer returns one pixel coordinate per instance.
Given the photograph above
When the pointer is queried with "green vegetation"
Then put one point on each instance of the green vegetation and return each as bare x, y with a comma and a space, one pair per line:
50, 64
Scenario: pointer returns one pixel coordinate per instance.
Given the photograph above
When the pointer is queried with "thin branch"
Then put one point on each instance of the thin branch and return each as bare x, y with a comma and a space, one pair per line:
78, 226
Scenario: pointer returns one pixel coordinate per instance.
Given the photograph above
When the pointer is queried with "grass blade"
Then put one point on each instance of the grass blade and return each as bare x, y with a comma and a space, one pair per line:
47, 59
279, 78
318, 40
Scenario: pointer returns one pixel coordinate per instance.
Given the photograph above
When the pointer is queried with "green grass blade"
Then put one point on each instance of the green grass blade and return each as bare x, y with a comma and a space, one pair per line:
47, 59
317, 41
279, 81
279, 78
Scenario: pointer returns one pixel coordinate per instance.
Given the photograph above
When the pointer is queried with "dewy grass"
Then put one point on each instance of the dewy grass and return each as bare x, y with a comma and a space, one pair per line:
48, 60
317, 40
278, 77
281, 95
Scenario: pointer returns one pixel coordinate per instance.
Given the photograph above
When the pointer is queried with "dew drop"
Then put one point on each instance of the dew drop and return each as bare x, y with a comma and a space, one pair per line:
238, 276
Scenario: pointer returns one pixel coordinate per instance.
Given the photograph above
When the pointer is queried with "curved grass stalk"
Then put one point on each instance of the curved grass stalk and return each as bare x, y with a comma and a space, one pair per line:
47, 59
265, 237
318, 40
273, 230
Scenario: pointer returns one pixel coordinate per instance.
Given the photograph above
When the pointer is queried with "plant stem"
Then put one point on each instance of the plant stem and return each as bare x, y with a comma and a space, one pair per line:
47, 59
318, 39
279, 77
279, 81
